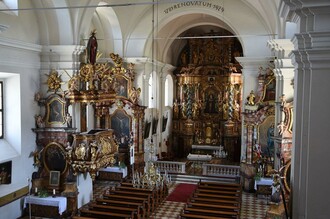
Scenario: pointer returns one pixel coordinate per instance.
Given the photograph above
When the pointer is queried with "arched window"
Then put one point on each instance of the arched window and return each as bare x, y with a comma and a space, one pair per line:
168, 91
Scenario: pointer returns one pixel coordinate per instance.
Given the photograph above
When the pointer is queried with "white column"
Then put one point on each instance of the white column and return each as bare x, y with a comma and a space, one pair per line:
310, 161
284, 73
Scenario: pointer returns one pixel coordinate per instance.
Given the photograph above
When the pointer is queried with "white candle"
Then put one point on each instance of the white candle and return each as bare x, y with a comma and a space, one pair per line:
54, 192
36, 190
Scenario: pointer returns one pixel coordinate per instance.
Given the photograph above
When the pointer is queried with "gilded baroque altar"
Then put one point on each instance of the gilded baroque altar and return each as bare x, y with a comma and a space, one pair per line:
207, 106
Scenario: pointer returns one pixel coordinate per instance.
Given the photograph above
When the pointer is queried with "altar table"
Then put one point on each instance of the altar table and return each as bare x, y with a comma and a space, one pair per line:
263, 186
59, 202
112, 173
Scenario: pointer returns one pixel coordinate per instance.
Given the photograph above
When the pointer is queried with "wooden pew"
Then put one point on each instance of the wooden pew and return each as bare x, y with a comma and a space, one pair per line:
226, 188
213, 206
117, 209
194, 216
154, 194
219, 184
207, 195
81, 217
215, 201
138, 205
143, 201
162, 193
103, 214
213, 213
141, 194
218, 192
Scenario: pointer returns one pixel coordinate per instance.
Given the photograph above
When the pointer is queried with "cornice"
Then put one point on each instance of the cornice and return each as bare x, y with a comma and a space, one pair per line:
17, 44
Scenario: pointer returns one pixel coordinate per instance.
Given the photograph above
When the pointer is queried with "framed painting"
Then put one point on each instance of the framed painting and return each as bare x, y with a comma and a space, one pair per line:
54, 158
121, 125
266, 135
154, 125
55, 111
5, 172
121, 86
147, 127
164, 123
54, 178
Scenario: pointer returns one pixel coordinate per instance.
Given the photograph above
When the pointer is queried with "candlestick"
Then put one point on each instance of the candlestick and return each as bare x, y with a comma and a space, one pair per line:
54, 193
35, 191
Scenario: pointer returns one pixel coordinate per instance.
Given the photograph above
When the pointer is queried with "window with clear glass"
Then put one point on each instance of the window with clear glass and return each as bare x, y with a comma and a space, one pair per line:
1, 109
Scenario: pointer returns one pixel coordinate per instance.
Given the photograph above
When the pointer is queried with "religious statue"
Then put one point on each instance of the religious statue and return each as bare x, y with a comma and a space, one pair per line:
40, 121
184, 109
176, 109
281, 128
195, 110
80, 151
251, 98
134, 95
184, 58
68, 120
92, 48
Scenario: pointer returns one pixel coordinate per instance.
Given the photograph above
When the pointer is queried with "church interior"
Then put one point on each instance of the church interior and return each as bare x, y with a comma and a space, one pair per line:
164, 109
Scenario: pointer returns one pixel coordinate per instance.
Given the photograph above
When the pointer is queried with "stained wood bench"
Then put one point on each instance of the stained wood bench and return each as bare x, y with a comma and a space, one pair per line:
219, 184
216, 196
219, 192
154, 194
140, 200
162, 193
213, 213
215, 201
117, 209
142, 195
194, 216
81, 217
226, 188
139, 206
213, 206
103, 214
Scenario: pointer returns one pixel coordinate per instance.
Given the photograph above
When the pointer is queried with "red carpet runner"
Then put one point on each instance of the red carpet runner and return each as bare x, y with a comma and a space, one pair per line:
181, 193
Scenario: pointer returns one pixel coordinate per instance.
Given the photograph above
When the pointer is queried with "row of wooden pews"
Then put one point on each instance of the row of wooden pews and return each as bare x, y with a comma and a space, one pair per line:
214, 200
125, 201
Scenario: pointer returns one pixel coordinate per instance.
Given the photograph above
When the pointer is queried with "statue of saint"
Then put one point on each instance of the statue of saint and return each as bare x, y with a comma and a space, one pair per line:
92, 48
251, 98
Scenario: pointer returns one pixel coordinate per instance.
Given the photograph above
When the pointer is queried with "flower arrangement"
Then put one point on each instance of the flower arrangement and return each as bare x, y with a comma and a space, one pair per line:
42, 193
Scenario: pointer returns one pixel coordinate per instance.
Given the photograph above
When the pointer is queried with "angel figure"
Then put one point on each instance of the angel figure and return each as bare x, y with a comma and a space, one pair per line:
36, 159
134, 95
281, 128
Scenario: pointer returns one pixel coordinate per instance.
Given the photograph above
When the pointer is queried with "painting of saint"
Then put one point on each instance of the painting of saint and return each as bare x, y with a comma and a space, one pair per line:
120, 86
120, 123
56, 111
210, 103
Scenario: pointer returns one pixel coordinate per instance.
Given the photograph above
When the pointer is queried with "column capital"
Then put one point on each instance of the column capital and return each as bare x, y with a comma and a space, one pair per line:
281, 47
255, 62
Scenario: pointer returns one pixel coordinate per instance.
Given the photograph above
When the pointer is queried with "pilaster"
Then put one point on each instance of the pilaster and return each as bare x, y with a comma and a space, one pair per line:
310, 160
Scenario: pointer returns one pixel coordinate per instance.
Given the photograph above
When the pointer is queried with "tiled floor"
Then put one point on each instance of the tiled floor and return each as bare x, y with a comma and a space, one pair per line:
252, 207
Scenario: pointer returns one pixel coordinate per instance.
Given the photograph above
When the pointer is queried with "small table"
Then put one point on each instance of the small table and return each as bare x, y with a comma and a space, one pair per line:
112, 173
49, 202
263, 186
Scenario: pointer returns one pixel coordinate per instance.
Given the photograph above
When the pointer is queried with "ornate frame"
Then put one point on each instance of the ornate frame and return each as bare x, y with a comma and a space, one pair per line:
125, 125
50, 153
54, 178
55, 110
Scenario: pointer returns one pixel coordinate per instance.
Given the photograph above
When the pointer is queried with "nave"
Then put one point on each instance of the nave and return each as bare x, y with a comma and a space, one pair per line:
252, 207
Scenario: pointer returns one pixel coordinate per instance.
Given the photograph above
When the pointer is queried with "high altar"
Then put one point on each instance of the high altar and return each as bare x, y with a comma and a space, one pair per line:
206, 109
